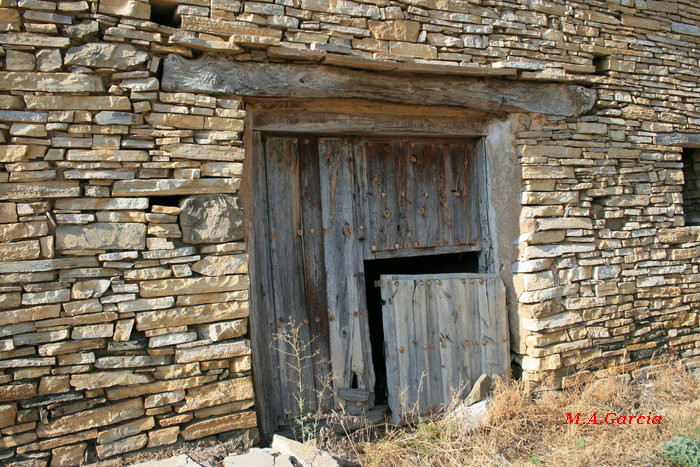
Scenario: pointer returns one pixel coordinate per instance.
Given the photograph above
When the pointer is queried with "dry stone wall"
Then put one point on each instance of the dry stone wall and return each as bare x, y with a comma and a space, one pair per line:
123, 267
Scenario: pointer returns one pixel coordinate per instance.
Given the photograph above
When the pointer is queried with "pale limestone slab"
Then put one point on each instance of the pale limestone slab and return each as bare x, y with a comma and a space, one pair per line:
104, 236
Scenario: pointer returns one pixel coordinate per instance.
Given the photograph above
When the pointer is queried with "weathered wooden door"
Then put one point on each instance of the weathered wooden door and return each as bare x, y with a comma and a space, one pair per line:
291, 327
321, 207
441, 333
310, 332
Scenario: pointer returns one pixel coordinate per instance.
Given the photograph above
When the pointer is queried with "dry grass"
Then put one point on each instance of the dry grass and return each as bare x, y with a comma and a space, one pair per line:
530, 429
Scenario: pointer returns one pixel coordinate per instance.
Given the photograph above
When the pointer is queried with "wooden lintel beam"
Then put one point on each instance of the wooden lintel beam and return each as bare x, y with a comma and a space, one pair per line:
218, 75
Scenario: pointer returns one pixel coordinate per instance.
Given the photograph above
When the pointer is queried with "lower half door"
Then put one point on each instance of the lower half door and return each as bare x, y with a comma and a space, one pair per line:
441, 332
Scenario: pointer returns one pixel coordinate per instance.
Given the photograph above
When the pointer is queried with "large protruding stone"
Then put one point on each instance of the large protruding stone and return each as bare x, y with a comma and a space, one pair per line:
211, 219
105, 55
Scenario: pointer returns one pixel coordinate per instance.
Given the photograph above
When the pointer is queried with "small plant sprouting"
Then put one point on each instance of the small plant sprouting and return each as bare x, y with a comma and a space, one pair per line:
300, 357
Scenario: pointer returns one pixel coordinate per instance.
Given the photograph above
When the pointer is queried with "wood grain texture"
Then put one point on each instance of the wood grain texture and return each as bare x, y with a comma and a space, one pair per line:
325, 123
421, 194
351, 351
314, 274
287, 271
217, 75
442, 331
266, 377
289, 280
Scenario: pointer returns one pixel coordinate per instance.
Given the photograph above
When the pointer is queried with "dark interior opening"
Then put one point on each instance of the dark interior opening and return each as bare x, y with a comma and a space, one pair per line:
601, 65
164, 13
167, 201
415, 265
691, 186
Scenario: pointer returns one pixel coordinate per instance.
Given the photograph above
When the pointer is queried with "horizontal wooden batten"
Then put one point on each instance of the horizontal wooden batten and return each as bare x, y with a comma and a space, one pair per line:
334, 124
411, 252
220, 76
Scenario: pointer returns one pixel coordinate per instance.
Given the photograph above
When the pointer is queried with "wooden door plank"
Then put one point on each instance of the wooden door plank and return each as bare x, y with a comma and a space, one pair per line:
433, 362
360, 196
420, 195
445, 311
481, 194
418, 340
404, 193
314, 277
382, 196
284, 210
391, 344
351, 352
403, 307
445, 202
462, 195
425, 194
265, 374
466, 333
494, 336
502, 332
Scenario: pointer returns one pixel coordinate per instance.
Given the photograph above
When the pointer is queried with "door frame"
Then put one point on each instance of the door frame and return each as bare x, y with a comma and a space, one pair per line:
343, 117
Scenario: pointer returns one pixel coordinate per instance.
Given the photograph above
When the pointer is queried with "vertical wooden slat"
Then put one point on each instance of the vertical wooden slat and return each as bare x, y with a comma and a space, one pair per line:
284, 210
265, 376
434, 378
426, 180
446, 311
493, 334
314, 274
481, 192
419, 377
404, 193
392, 342
383, 204
445, 200
500, 310
351, 352
360, 206
468, 338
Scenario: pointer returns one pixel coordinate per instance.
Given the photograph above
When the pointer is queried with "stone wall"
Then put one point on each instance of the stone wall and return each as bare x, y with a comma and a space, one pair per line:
124, 276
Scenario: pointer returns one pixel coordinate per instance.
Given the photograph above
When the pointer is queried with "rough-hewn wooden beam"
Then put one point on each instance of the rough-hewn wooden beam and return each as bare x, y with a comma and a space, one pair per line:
688, 140
220, 76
